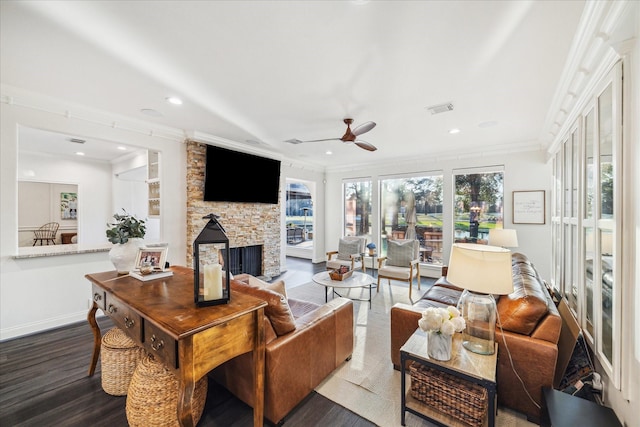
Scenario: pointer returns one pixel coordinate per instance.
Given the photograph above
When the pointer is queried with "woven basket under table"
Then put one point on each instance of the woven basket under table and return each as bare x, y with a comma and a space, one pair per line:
465, 401
120, 356
153, 396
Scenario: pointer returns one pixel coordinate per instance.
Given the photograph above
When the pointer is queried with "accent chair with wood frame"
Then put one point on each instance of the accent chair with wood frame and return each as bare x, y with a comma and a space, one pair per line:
350, 252
402, 262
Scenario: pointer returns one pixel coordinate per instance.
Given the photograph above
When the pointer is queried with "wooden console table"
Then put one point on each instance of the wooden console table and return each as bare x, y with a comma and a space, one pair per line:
161, 316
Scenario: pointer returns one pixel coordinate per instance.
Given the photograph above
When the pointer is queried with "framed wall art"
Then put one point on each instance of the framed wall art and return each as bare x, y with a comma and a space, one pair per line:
68, 205
528, 207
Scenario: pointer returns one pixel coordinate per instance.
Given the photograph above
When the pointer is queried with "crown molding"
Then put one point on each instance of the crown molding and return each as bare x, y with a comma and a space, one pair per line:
592, 54
17, 97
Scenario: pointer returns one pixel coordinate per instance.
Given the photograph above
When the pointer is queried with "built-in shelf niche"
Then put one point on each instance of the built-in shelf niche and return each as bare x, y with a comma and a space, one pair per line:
153, 183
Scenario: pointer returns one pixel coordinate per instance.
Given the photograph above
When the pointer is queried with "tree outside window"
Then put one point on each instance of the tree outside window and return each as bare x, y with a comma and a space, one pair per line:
412, 209
357, 208
478, 206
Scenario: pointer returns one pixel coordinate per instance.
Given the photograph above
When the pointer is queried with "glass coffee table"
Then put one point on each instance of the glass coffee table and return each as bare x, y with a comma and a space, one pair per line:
357, 280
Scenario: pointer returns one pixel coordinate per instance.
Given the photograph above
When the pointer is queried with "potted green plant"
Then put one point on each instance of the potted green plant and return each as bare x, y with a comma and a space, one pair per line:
125, 227
126, 232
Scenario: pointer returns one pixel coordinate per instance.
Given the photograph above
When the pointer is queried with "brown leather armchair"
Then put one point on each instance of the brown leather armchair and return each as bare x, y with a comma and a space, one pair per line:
305, 342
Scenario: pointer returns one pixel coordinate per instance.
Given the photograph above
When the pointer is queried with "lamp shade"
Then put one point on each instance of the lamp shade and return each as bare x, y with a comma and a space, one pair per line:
482, 271
480, 268
507, 238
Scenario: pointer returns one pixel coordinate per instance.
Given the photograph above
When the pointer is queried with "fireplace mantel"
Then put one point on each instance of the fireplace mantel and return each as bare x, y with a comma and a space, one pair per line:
246, 224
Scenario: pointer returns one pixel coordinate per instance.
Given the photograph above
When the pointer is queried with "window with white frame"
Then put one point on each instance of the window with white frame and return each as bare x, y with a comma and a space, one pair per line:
411, 208
478, 204
587, 177
357, 208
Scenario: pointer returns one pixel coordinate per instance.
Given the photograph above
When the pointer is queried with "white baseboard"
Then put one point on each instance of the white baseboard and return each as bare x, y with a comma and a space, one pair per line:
41, 326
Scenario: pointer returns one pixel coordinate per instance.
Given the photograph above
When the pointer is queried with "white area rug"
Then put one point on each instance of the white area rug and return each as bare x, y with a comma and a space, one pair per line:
367, 384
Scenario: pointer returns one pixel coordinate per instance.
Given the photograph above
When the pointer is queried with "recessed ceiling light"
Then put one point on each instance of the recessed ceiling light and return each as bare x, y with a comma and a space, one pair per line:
329, 152
79, 153
174, 100
121, 148
454, 130
151, 112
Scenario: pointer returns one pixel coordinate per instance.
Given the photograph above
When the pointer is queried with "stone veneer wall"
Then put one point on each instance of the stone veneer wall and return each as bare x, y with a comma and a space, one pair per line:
245, 224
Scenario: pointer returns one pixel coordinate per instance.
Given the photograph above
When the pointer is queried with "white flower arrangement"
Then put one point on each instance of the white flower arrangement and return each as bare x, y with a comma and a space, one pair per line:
445, 321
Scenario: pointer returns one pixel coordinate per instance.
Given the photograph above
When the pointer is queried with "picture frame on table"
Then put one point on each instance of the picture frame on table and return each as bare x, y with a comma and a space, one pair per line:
156, 256
529, 207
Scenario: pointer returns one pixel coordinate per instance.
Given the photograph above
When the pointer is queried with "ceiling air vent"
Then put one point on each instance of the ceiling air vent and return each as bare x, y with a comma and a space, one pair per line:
441, 108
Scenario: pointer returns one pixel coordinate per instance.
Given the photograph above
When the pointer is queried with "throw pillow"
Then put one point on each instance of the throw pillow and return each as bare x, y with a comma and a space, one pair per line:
348, 247
277, 310
400, 253
278, 286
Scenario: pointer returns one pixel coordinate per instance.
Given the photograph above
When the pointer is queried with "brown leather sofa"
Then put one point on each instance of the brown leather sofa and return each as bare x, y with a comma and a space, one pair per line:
531, 327
305, 342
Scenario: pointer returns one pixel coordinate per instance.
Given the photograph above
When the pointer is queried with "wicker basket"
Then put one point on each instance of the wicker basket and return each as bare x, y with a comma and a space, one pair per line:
153, 396
120, 356
335, 275
456, 397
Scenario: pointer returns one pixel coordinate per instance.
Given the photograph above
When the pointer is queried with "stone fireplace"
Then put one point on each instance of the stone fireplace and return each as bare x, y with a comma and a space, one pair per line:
246, 224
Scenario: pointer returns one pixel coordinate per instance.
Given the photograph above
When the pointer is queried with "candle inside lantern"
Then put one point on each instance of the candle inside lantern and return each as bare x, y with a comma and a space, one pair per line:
213, 281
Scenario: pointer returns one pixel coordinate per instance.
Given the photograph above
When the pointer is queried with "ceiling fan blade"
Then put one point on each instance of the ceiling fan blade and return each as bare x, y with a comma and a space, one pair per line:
365, 145
297, 141
365, 127
322, 140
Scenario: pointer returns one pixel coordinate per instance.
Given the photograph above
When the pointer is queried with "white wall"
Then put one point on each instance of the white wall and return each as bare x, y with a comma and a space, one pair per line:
93, 180
46, 292
522, 171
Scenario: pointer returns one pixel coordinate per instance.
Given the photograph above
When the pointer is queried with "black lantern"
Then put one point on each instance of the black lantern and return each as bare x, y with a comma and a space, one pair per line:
210, 256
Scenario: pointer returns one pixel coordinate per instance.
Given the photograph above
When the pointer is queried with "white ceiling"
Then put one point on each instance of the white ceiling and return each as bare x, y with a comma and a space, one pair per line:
270, 71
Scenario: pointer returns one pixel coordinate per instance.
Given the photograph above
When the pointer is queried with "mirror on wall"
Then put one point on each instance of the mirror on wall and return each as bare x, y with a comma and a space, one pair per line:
77, 182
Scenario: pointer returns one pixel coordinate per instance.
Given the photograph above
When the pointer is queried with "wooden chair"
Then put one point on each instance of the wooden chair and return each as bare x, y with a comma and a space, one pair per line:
349, 253
402, 262
46, 233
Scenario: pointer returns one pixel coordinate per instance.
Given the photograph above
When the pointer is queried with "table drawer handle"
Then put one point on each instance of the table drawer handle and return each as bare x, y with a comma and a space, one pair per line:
112, 309
128, 323
97, 297
156, 345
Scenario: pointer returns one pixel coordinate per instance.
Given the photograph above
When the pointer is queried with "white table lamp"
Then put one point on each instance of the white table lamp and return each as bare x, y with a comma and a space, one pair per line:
481, 271
506, 238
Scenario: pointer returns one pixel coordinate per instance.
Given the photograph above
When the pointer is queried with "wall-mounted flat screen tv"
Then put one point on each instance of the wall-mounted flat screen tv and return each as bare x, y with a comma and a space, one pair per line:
232, 176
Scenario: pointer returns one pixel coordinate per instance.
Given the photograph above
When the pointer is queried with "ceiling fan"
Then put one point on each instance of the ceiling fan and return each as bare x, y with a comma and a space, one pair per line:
349, 136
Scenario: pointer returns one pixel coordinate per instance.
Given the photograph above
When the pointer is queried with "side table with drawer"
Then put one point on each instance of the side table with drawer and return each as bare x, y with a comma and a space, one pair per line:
161, 316
461, 391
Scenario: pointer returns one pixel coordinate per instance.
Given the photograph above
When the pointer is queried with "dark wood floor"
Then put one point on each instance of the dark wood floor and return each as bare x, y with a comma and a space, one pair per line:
44, 382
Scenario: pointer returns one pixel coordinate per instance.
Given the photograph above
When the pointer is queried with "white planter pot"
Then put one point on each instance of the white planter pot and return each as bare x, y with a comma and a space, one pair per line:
123, 256
439, 346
